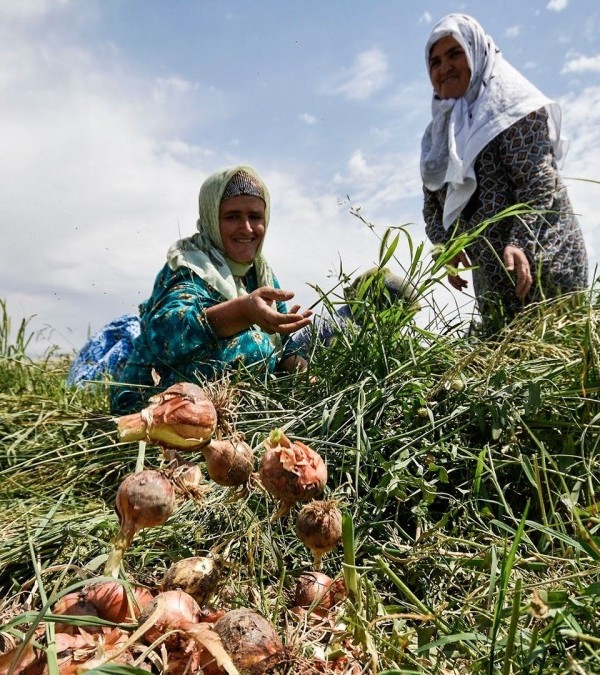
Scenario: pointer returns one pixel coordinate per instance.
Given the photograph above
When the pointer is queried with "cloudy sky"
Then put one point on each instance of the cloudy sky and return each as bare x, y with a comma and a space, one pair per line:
112, 112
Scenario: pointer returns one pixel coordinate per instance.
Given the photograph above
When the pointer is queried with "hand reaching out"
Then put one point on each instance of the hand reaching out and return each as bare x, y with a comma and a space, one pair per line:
262, 311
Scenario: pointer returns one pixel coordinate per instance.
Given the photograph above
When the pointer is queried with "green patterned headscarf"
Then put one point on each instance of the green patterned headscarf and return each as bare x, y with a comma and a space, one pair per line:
203, 253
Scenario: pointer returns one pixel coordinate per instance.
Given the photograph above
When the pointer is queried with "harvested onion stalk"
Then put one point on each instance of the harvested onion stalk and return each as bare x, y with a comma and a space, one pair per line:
228, 462
198, 576
144, 499
291, 471
319, 527
181, 417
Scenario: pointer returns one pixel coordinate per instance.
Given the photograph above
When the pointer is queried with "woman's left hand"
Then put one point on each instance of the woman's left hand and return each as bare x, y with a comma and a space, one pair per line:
516, 261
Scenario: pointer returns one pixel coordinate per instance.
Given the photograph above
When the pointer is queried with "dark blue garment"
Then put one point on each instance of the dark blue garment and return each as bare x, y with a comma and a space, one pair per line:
104, 355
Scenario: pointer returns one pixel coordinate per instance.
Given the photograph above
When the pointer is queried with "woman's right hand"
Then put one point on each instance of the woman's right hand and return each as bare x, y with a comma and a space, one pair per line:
455, 280
261, 309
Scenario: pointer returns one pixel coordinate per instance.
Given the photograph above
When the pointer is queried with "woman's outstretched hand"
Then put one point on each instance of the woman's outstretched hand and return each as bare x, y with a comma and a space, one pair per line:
455, 280
262, 311
516, 261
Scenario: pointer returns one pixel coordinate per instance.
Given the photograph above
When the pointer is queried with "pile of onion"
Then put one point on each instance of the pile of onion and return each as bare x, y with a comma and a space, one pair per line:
229, 462
181, 417
144, 499
291, 471
319, 527
198, 576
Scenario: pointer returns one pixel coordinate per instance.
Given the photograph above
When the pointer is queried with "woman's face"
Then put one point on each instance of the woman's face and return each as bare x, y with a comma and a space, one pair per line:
242, 226
448, 68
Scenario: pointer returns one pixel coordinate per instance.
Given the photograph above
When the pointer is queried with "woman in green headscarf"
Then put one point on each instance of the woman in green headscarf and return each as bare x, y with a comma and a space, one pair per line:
216, 304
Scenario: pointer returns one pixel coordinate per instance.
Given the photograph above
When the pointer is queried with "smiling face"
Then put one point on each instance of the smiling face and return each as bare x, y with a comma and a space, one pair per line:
448, 68
242, 226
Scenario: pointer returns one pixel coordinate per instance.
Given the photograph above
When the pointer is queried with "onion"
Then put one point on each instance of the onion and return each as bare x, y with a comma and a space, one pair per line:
249, 639
181, 417
317, 590
169, 611
197, 576
319, 527
228, 462
291, 471
144, 499
74, 604
112, 601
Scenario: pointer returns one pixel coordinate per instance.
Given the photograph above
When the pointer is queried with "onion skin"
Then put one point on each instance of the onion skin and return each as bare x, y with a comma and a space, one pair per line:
74, 604
291, 471
319, 591
249, 639
319, 527
111, 600
198, 576
228, 462
181, 417
175, 610
144, 499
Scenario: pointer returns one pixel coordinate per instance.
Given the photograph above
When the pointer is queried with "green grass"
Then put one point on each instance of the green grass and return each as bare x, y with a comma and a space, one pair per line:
467, 469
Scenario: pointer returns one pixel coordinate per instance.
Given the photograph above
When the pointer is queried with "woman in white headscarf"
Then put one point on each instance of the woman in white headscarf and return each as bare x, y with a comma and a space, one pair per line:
494, 142
216, 304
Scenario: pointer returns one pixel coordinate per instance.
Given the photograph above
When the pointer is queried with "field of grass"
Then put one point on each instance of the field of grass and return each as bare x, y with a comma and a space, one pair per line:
467, 470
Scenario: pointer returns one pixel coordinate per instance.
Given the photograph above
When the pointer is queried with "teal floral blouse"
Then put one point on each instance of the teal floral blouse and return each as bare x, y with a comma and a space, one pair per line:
177, 342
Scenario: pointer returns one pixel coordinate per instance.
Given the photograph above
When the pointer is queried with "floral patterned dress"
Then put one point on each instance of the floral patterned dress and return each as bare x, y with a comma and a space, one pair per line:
517, 167
177, 343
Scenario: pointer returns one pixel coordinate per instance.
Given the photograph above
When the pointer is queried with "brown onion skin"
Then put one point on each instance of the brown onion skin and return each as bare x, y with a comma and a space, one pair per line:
291, 471
317, 590
179, 609
319, 527
228, 462
248, 638
112, 603
74, 604
144, 499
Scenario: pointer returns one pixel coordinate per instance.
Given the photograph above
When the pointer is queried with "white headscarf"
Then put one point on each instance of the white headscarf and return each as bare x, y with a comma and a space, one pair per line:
497, 97
204, 253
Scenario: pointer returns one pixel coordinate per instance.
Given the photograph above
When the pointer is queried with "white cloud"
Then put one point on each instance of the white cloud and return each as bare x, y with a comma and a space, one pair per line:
557, 5
425, 17
581, 64
30, 9
307, 118
513, 31
365, 77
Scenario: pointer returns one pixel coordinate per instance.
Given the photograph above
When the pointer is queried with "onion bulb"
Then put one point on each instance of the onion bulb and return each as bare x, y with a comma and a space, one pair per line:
291, 471
74, 604
319, 527
317, 590
198, 576
169, 611
144, 499
228, 462
113, 602
249, 639
181, 417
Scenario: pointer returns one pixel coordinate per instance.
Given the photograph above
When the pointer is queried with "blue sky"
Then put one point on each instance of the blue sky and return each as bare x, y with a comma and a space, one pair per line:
112, 112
